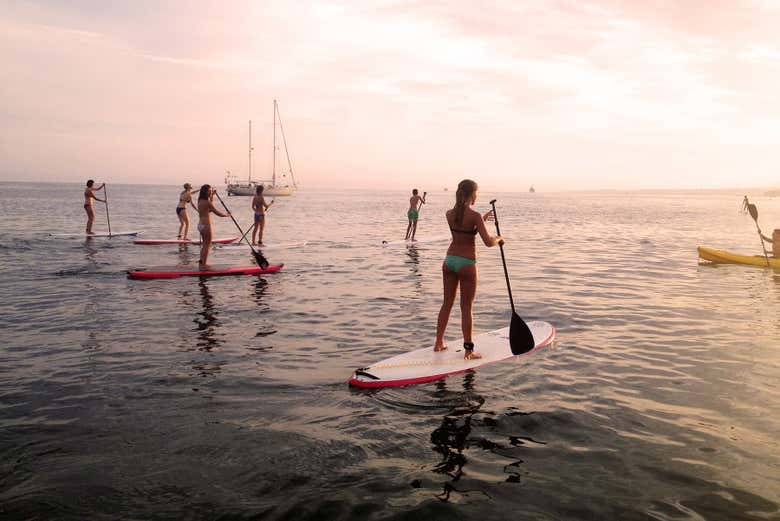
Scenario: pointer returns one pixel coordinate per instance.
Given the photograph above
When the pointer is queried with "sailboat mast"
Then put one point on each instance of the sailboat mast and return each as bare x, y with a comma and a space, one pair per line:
274, 167
250, 151
286, 151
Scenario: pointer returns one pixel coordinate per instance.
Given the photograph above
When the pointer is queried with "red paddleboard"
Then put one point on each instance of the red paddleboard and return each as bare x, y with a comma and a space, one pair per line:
225, 240
194, 271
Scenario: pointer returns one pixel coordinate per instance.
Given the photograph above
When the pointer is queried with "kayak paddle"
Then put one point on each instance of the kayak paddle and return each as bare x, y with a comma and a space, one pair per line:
753, 211
105, 197
521, 340
259, 258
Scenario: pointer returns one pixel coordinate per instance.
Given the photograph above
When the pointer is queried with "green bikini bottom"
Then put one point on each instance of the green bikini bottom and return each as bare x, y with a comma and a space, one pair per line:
455, 263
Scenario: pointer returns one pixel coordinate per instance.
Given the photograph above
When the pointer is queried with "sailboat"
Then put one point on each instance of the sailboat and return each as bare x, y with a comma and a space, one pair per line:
280, 183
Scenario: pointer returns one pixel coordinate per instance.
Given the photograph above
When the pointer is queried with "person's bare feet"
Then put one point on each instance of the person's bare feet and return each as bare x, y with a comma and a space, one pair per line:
204, 267
440, 348
470, 354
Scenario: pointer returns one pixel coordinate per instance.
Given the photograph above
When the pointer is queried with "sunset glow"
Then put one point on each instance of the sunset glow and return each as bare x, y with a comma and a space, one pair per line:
561, 95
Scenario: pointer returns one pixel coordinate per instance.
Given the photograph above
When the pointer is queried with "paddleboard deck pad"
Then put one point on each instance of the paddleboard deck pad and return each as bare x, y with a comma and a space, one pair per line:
96, 234
224, 240
427, 365
173, 272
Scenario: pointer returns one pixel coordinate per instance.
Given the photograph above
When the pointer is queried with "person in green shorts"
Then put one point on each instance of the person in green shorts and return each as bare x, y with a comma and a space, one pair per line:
415, 203
460, 264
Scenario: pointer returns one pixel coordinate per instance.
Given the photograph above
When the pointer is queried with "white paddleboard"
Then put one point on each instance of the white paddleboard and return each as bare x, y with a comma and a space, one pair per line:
96, 234
242, 247
438, 238
426, 365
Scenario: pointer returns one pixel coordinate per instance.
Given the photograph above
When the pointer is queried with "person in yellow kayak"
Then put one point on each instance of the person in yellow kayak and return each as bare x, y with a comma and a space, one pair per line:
774, 241
750, 208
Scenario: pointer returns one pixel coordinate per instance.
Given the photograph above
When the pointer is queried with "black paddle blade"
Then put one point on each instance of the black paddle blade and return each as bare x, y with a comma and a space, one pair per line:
753, 211
260, 259
521, 340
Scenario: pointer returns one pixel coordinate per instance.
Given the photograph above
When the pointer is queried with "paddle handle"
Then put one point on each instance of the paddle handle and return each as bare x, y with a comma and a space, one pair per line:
108, 217
503, 258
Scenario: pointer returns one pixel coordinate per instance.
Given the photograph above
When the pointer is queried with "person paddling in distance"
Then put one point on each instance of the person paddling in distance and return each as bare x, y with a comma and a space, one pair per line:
259, 206
774, 241
89, 195
181, 210
205, 209
415, 202
460, 264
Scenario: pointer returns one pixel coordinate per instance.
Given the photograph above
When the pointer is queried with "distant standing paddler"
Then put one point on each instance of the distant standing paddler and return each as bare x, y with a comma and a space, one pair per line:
205, 209
181, 210
89, 195
259, 206
415, 203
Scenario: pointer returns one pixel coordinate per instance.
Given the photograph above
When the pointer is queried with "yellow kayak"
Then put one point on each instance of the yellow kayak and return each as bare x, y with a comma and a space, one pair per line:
726, 257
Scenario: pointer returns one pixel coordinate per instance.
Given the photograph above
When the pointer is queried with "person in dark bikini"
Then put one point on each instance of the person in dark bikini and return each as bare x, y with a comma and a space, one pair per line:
259, 206
181, 211
205, 209
89, 195
460, 264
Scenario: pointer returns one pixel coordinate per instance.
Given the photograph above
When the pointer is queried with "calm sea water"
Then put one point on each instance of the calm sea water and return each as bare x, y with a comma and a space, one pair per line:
226, 398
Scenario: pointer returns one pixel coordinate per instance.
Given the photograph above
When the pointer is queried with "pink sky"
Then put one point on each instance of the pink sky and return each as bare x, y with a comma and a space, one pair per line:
389, 94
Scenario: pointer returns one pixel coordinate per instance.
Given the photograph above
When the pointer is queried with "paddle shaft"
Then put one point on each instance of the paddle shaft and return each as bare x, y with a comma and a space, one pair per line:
753, 211
250, 227
256, 254
503, 258
108, 218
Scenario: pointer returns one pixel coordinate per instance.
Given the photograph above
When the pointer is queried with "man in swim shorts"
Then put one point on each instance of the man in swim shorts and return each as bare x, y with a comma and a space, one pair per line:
415, 203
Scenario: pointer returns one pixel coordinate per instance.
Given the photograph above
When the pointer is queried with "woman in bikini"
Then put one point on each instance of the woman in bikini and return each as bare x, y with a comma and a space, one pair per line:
205, 209
460, 264
181, 210
259, 206
89, 195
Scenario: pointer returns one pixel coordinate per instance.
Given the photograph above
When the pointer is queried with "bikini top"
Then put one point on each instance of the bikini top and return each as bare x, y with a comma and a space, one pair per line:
469, 232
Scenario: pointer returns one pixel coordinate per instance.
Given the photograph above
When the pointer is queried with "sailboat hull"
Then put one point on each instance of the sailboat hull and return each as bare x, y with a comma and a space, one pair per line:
276, 191
251, 188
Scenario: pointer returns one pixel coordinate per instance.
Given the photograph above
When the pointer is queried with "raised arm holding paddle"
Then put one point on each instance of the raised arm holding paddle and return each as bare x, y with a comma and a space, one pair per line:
774, 241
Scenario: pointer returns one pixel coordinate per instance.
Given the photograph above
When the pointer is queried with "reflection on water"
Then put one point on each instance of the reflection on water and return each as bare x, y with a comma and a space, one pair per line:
451, 438
663, 405
206, 319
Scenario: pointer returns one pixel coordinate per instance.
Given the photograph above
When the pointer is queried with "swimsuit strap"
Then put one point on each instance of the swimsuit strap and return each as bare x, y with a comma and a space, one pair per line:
470, 232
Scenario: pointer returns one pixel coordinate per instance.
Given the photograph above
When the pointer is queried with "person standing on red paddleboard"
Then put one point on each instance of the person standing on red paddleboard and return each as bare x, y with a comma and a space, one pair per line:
181, 210
259, 206
460, 264
89, 195
205, 209
415, 203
